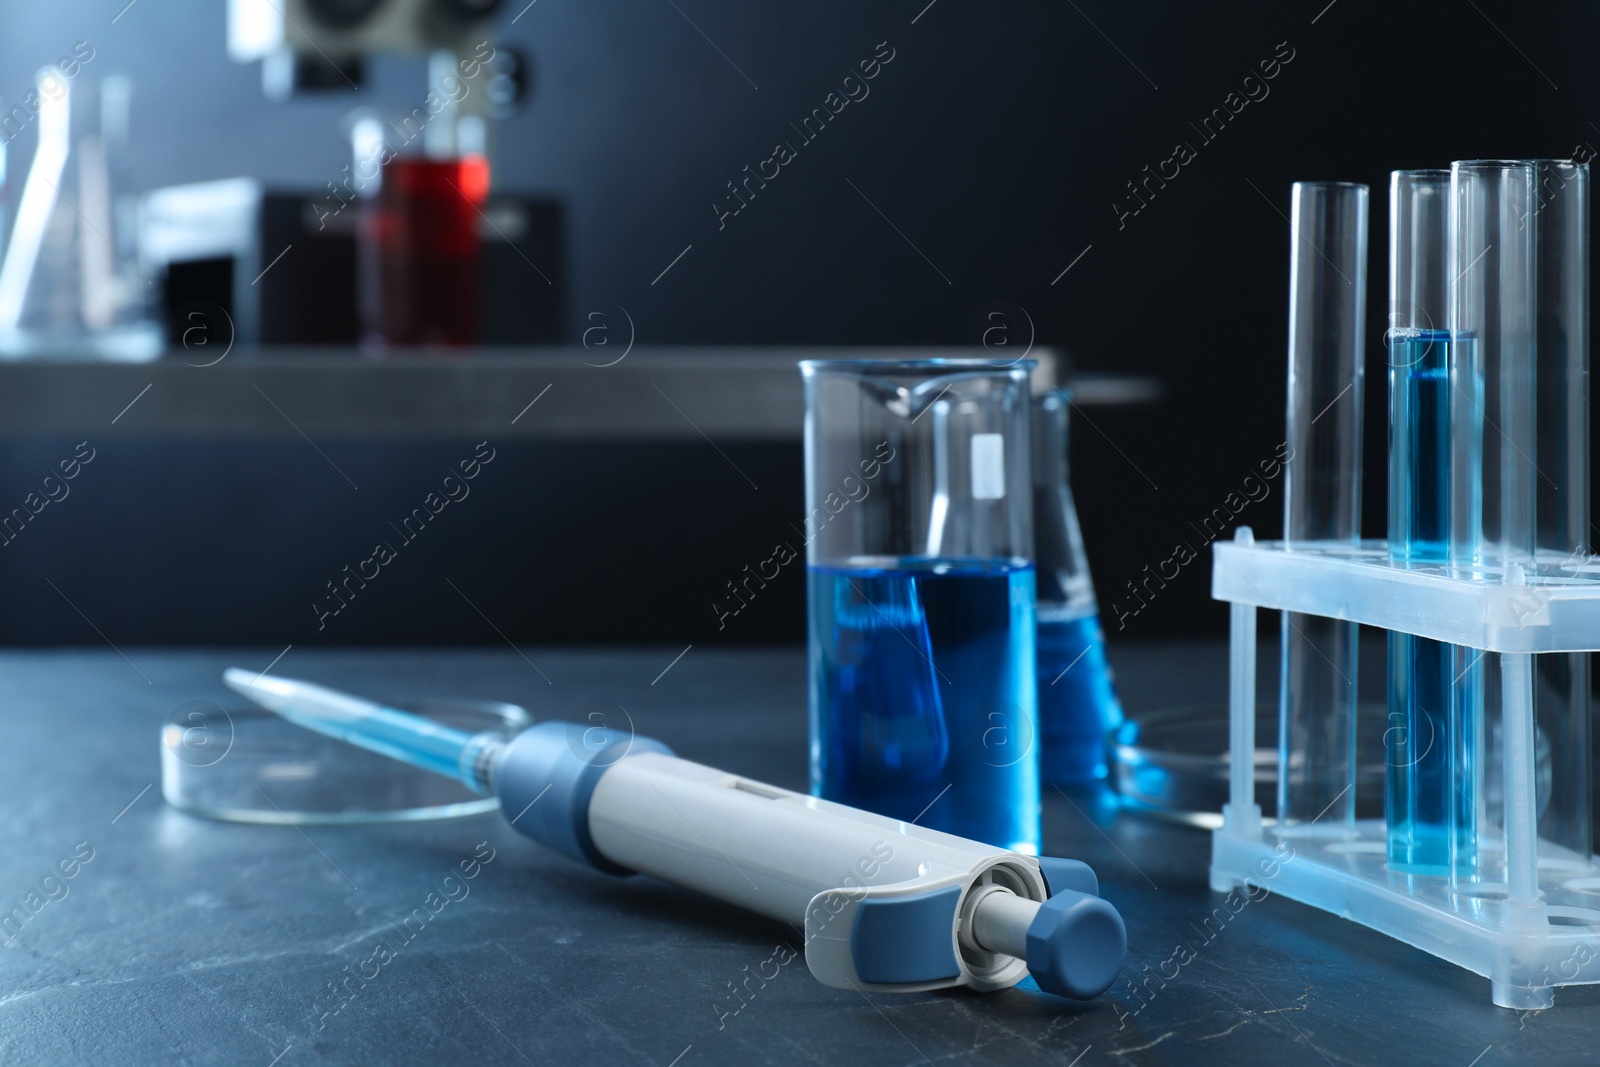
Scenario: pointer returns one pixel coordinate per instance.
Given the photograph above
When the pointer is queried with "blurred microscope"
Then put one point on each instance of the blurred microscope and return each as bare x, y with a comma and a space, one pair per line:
406, 245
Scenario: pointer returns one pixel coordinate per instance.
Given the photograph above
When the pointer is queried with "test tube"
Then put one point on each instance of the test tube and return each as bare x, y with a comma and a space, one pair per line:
1421, 739
1322, 498
1561, 346
1493, 498
1491, 317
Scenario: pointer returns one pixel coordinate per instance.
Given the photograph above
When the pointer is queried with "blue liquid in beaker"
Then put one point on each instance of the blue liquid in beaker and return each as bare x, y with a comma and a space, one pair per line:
923, 694
1078, 705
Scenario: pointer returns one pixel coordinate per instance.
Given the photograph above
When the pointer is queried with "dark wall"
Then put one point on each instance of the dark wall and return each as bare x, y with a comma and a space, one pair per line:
994, 150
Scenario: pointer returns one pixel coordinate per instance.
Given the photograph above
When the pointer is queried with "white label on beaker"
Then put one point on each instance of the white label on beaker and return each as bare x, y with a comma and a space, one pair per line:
988, 466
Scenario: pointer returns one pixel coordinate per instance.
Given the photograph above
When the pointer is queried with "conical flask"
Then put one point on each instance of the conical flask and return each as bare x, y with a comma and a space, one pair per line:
70, 282
1078, 706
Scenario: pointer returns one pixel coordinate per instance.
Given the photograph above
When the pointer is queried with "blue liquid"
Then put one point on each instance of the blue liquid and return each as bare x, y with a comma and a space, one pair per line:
1078, 706
1429, 743
923, 702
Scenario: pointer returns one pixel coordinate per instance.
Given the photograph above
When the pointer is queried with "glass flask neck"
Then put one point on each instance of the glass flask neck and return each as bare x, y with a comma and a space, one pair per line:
1064, 585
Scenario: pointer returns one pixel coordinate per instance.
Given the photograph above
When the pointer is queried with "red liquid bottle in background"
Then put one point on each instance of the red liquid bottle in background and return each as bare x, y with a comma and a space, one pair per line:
422, 252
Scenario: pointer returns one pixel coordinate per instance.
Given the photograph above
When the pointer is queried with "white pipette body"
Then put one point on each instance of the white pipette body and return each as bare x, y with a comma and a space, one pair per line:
884, 905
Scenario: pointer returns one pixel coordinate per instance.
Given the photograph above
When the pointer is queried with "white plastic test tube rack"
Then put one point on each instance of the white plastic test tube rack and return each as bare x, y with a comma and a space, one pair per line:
1538, 928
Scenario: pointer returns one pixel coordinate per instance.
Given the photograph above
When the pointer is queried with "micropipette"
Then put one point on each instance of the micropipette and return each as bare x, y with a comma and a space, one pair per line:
887, 906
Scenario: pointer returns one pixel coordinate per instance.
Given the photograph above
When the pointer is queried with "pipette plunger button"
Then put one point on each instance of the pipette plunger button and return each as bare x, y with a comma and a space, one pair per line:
1076, 945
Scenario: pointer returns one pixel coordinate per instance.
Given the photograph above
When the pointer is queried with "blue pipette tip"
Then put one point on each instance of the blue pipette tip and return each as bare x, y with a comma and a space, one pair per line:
400, 735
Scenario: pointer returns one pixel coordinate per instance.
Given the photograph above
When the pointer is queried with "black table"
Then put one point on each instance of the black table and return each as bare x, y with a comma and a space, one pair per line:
187, 941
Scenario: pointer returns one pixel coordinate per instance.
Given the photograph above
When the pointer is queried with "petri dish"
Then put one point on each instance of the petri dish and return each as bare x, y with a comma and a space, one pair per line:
1174, 763
246, 764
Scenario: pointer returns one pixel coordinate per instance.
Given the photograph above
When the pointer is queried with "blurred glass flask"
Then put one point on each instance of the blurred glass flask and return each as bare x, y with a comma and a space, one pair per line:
425, 178
70, 282
1078, 705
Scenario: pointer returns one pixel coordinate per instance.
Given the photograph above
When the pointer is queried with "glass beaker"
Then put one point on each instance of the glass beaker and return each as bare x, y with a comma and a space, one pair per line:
71, 283
920, 579
1078, 705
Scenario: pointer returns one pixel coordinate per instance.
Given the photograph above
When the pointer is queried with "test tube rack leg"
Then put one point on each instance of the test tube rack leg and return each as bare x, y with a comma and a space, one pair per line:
1537, 929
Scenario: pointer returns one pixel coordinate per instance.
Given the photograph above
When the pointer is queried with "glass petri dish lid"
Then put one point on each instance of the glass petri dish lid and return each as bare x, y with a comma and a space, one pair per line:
1174, 763
246, 764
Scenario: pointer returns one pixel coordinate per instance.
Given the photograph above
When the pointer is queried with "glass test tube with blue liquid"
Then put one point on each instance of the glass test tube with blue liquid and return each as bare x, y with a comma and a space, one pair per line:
1078, 706
1429, 737
920, 585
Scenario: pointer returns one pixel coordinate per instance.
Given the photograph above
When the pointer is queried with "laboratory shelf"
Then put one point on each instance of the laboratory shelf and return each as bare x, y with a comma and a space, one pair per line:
609, 392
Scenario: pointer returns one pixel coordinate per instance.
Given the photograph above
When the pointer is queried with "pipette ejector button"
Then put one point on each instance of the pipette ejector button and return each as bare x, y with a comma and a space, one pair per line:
547, 776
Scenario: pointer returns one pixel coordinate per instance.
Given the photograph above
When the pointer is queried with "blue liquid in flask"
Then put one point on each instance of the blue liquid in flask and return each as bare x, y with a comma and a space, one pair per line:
923, 699
1429, 740
1078, 705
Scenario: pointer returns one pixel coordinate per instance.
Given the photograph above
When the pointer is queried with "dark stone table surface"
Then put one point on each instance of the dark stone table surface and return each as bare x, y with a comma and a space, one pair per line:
185, 941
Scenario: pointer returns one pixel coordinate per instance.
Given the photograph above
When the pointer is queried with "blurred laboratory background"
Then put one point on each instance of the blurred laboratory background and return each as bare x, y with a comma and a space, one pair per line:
206, 320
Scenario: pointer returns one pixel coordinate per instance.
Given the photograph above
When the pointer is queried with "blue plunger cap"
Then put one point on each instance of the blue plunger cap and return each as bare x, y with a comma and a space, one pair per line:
1076, 945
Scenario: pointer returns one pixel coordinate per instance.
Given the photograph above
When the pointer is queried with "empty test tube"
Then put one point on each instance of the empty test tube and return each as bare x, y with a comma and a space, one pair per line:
1424, 742
1491, 316
1322, 497
1493, 494
1560, 226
